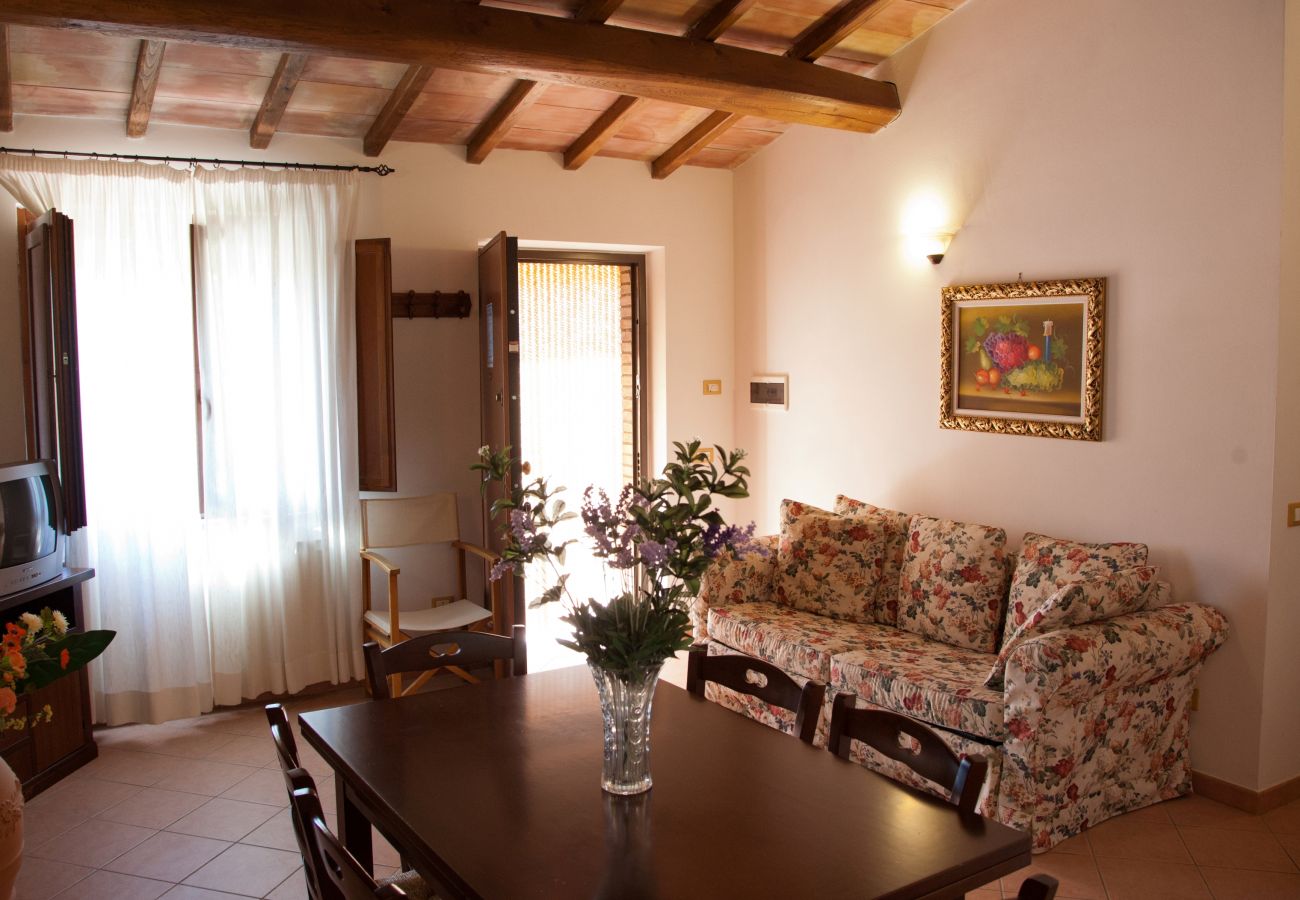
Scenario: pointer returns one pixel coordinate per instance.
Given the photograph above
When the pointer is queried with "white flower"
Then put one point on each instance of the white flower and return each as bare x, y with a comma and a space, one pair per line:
60, 623
32, 622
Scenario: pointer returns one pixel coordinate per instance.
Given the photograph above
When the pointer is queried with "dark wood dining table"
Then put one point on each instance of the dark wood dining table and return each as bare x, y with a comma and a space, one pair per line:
493, 791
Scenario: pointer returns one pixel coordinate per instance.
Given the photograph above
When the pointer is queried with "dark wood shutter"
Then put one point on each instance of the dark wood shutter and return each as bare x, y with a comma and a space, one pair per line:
498, 311
376, 431
54, 401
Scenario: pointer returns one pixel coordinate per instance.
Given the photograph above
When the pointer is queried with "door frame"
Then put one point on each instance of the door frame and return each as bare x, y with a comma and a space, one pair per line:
640, 336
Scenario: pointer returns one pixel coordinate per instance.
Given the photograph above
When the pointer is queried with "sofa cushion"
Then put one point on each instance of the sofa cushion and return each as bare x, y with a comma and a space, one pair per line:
1046, 564
918, 677
800, 643
830, 564
1078, 603
895, 524
953, 583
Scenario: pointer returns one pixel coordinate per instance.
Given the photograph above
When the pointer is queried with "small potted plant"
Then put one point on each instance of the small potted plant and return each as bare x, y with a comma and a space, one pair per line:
657, 539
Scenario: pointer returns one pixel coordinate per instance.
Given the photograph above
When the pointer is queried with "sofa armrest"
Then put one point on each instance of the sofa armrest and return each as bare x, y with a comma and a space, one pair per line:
734, 579
1075, 664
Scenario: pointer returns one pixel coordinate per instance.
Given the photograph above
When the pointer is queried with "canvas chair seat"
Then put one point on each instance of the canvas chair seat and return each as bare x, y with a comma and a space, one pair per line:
448, 617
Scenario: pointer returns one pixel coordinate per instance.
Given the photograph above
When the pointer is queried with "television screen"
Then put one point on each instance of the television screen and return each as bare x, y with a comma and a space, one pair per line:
27, 520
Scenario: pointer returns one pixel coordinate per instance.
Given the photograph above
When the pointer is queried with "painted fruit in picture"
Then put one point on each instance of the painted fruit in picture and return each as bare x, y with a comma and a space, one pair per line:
1024, 358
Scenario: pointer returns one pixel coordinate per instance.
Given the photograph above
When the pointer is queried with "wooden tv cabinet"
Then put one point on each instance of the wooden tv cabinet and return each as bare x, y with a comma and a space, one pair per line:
45, 754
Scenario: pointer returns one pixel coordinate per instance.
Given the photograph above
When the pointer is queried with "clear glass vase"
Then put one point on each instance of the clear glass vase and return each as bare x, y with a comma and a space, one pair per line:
625, 705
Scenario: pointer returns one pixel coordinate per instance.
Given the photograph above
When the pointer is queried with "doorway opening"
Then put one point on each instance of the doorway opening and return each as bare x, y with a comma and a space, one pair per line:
581, 415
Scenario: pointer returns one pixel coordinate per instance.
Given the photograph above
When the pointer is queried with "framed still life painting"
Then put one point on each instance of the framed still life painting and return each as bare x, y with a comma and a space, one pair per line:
1024, 358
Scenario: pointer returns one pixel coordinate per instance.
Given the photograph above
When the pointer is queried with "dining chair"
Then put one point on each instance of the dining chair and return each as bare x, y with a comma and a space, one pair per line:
905, 740
760, 679
286, 751
421, 521
330, 865
430, 652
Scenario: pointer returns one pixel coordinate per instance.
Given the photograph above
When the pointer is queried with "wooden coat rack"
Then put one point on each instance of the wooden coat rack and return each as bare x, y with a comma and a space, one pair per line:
435, 305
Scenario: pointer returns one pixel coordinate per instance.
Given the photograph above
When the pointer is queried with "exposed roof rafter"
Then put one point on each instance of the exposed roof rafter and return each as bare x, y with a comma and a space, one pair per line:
6, 83
283, 82
148, 66
399, 104
814, 43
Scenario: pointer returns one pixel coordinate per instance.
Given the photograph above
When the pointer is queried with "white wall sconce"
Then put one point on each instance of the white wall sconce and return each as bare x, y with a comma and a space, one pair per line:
937, 246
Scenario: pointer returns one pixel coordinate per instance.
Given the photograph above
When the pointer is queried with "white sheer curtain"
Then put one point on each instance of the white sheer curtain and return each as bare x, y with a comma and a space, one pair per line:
276, 345
257, 595
131, 229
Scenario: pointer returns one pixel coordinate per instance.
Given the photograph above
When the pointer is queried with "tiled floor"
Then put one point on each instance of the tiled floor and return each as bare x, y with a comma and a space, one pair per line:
196, 810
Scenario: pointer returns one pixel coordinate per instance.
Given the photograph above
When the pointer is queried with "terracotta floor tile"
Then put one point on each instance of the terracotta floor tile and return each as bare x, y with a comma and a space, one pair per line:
246, 750
103, 885
167, 856
260, 786
1246, 884
984, 895
41, 824
185, 892
39, 880
254, 871
1291, 844
295, 888
153, 808
92, 843
1199, 812
1284, 819
1138, 840
202, 776
222, 819
128, 767
384, 853
1143, 879
1236, 849
1157, 812
276, 832
84, 797
187, 743
1078, 875
1078, 844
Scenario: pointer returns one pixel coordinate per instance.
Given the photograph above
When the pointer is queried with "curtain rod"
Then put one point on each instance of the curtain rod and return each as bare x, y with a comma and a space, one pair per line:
380, 170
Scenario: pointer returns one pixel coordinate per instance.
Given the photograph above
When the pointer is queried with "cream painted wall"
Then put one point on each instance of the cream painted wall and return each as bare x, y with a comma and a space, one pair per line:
437, 209
1280, 753
1069, 139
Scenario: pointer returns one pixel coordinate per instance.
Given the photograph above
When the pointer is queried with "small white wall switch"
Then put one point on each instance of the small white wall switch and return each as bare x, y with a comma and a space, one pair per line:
1292, 515
712, 386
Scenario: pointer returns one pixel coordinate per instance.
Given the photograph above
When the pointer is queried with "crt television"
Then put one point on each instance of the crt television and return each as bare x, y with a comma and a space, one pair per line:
31, 525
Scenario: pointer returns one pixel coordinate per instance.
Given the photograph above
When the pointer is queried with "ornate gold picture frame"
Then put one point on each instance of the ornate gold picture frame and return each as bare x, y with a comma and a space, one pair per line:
1024, 358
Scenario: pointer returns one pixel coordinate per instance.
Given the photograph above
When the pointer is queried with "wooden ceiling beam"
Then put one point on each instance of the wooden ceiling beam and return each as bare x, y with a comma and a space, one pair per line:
597, 11
148, 66
823, 35
283, 82
692, 142
814, 43
719, 17
399, 104
588, 144
498, 41
708, 27
6, 83
522, 95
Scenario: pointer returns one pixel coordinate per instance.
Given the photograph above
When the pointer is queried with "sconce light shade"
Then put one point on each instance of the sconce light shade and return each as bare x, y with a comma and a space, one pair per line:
938, 246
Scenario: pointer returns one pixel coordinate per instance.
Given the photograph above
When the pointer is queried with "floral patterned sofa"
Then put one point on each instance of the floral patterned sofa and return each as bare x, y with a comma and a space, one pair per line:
1067, 666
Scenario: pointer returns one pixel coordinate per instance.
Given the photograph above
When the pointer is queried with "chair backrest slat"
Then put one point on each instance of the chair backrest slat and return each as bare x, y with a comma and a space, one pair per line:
407, 521
757, 678
463, 649
915, 745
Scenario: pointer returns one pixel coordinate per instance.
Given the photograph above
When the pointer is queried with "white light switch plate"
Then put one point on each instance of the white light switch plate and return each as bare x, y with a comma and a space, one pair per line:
1292, 515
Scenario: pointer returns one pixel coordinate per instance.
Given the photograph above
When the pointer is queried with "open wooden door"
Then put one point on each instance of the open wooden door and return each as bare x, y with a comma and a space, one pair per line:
54, 395
498, 313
